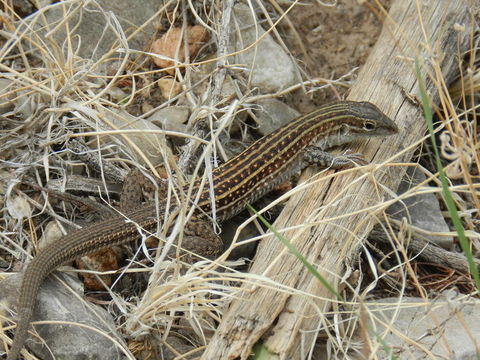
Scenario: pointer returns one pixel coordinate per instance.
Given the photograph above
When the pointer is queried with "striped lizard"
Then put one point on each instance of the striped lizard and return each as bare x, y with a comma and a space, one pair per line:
242, 179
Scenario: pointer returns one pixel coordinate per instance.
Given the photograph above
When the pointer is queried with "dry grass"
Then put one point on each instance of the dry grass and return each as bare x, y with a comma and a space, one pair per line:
54, 95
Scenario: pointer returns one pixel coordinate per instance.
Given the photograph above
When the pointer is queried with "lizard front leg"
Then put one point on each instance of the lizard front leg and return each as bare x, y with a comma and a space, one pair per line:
313, 155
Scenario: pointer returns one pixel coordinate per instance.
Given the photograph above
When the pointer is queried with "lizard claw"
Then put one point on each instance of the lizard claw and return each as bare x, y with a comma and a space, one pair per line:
353, 159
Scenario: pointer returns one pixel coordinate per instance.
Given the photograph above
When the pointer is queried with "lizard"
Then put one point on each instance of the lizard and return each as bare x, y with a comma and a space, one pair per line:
241, 180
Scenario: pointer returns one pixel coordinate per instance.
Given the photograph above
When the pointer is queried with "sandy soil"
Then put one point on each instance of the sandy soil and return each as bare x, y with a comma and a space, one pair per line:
337, 39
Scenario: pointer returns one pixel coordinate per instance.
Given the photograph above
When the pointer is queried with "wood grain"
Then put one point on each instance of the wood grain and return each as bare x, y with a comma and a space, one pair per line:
286, 323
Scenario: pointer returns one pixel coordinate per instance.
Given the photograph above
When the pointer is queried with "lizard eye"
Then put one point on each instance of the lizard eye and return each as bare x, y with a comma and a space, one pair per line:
368, 126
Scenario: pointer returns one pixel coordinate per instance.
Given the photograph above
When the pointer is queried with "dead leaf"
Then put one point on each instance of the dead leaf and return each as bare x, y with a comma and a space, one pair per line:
167, 45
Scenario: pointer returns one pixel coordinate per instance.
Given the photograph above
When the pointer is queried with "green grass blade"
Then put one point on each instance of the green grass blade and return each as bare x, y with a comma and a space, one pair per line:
260, 352
297, 254
447, 195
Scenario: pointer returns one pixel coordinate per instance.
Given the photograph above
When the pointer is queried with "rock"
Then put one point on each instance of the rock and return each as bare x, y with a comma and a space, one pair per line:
51, 234
180, 346
96, 22
201, 77
423, 210
169, 88
151, 141
26, 105
273, 114
229, 230
447, 327
18, 207
117, 94
22, 7
57, 303
102, 260
171, 118
272, 68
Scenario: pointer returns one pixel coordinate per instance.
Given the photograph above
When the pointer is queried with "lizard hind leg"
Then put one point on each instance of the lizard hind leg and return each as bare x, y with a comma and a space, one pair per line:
199, 236
201, 239
139, 187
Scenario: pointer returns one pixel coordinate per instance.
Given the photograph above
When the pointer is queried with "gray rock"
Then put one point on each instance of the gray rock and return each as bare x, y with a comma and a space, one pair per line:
272, 114
18, 207
272, 68
229, 230
150, 140
180, 345
203, 87
56, 303
95, 32
172, 118
423, 210
26, 106
447, 327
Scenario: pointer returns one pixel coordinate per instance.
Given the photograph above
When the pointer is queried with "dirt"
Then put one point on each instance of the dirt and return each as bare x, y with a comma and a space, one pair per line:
337, 39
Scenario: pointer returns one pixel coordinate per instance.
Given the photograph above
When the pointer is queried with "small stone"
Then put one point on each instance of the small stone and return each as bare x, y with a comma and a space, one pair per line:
229, 231
172, 118
51, 234
102, 260
65, 341
273, 114
200, 77
169, 87
18, 207
92, 27
150, 141
445, 327
272, 68
26, 105
117, 94
423, 210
